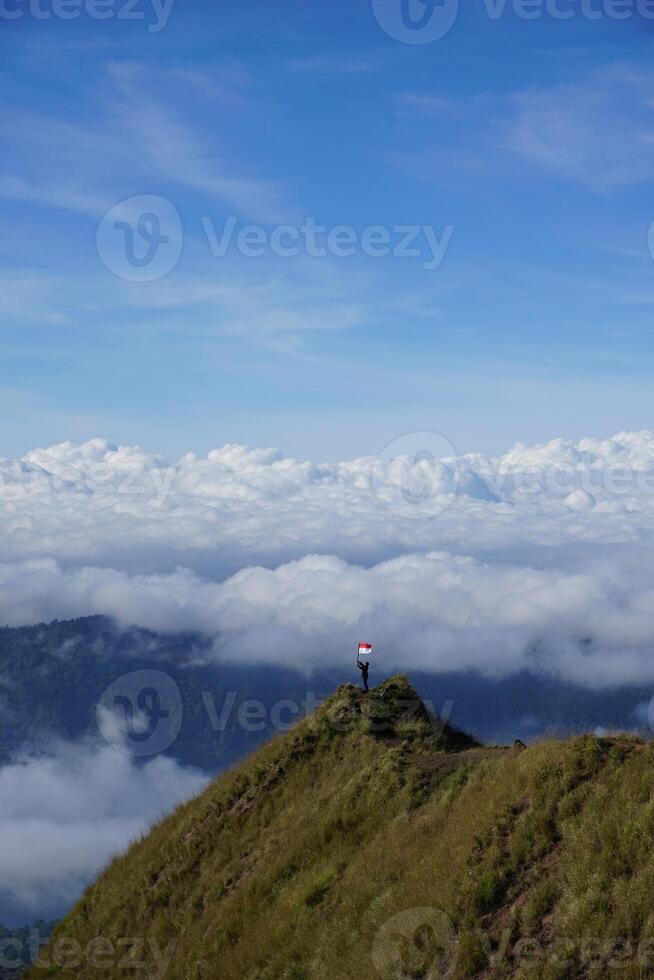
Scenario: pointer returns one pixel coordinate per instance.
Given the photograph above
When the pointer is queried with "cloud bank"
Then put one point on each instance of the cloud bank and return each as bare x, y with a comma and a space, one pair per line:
436, 612
536, 559
126, 509
65, 813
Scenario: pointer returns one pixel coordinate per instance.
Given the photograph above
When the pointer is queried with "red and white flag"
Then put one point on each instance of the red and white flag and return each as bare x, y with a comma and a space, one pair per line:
365, 649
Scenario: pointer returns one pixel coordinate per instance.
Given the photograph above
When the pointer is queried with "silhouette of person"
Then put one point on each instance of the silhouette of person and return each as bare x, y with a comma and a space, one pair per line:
364, 667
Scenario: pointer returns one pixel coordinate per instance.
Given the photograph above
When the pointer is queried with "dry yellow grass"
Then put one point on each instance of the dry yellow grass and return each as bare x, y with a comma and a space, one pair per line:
310, 859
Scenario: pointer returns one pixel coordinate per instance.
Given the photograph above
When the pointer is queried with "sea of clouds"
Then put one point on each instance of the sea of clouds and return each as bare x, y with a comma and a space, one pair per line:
126, 509
539, 559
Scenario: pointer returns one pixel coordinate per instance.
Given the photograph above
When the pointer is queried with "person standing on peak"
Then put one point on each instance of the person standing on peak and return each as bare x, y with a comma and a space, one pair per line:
364, 668
365, 649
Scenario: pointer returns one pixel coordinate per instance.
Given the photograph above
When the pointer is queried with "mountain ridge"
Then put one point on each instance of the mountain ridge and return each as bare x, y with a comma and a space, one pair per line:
373, 840
52, 676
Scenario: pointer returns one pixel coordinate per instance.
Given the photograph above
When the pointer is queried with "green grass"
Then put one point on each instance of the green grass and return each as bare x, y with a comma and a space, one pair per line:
298, 863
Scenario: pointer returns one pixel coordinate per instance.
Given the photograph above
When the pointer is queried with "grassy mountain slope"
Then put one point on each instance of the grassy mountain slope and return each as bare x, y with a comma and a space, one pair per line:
372, 841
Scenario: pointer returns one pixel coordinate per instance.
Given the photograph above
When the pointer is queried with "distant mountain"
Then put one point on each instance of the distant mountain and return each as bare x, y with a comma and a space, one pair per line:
52, 678
374, 841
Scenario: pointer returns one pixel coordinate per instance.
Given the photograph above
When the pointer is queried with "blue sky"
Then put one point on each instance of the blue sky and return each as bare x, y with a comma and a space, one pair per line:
532, 141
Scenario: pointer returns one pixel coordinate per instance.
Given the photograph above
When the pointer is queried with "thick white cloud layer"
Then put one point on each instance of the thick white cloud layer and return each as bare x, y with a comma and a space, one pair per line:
123, 508
65, 813
539, 558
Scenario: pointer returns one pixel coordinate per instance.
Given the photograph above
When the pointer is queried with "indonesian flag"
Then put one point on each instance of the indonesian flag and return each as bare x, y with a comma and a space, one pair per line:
365, 649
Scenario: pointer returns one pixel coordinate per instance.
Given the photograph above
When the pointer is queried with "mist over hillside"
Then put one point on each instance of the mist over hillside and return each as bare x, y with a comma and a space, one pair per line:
53, 676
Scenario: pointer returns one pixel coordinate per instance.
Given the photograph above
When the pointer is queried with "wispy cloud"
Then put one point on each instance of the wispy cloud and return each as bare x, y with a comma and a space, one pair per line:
173, 150
597, 131
135, 135
26, 294
52, 194
270, 305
